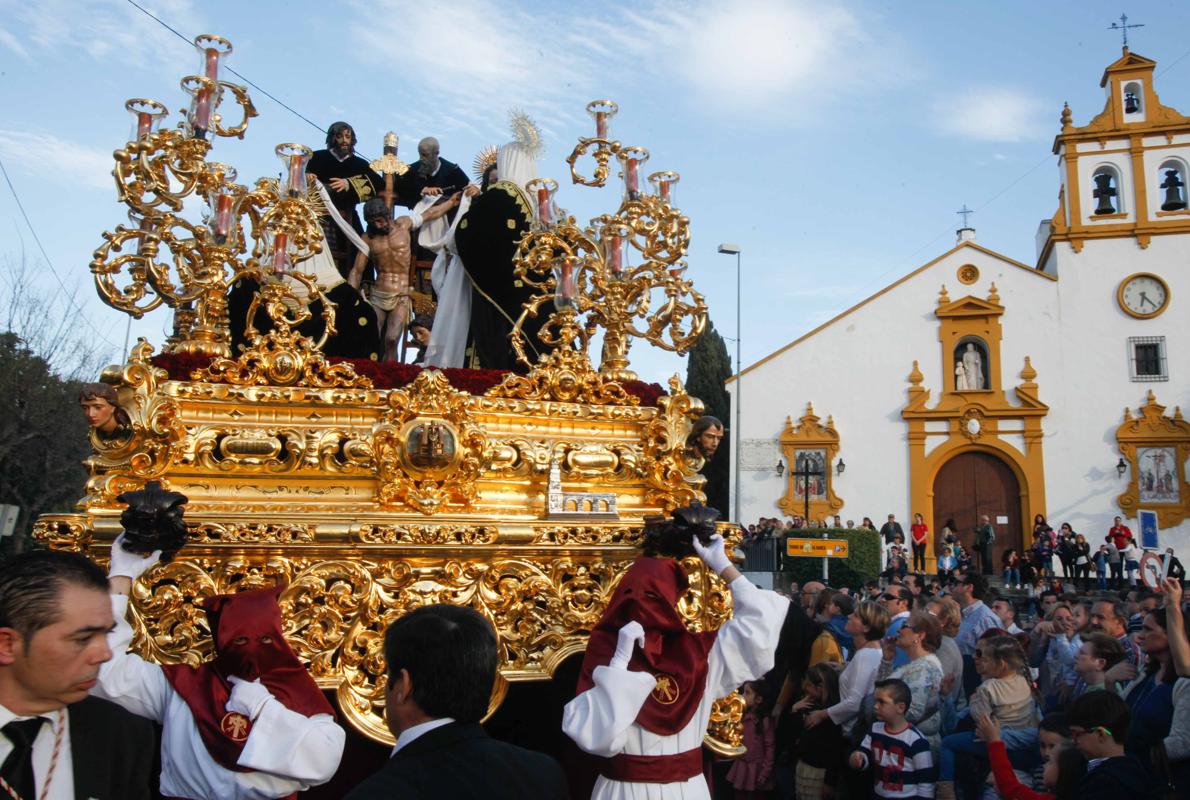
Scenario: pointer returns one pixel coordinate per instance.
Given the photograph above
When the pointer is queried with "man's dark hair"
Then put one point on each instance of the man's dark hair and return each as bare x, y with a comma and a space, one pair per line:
1048, 593
900, 592
844, 602
335, 129
1008, 602
376, 207
1055, 722
898, 689
978, 584
31, 587
1117, 607
450, 655
1100, 710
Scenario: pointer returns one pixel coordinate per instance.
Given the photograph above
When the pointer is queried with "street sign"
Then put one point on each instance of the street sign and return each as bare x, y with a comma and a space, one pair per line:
1148, 529
1153, 570
816, 548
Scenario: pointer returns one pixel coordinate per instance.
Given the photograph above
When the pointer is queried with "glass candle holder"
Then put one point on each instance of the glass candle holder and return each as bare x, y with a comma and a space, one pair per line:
146, 117
632, 159
566, 288
545, 210
223, 223
602, 112
294, 158
213, 53
204, 96
614, 241
664, 185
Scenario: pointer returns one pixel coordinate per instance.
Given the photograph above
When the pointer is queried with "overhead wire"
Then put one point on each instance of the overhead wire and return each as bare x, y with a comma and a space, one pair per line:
37, 240
240, 75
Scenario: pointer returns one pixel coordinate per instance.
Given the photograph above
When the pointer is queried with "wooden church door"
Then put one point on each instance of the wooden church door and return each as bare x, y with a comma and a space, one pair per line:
971, 485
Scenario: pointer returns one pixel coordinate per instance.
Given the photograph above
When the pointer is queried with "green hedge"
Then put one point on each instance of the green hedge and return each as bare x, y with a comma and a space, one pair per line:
862, 562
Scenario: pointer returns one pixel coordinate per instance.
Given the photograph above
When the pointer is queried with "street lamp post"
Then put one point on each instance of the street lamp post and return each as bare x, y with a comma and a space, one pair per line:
734, 250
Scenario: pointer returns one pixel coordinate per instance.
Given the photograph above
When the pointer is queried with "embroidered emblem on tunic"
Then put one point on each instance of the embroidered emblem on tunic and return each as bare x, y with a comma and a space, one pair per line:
235, 726
666, 690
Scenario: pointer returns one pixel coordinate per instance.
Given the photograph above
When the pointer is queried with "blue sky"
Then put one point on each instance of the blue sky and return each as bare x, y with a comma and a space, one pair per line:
832, 141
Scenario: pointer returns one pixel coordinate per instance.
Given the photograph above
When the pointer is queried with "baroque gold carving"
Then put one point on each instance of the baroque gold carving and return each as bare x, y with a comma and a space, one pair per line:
155, 435
430, 400
567, 375
666, 466
283, 356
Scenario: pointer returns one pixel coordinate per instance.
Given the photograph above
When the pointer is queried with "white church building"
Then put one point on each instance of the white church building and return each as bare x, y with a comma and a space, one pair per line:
1004, 388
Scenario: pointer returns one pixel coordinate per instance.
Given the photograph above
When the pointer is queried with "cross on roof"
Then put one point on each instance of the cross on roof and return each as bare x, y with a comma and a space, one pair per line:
964, 212
1123, 27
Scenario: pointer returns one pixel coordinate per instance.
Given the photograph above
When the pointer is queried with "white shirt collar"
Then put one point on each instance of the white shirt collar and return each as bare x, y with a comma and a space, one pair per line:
409, 734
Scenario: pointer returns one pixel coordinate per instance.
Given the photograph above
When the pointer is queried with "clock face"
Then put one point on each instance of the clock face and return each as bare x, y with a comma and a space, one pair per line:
1143, 295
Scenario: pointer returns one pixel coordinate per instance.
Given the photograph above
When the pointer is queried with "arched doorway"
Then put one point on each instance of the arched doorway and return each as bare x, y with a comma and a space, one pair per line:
971, 485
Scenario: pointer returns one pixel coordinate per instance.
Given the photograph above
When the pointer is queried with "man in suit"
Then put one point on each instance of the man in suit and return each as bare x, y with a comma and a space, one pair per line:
56, 742
441, 669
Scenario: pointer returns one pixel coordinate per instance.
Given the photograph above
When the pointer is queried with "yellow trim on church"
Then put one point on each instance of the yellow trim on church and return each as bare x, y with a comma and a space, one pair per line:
975, 419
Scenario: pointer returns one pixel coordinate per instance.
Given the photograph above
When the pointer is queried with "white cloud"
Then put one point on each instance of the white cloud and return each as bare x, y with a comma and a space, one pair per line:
102, 29
41, 155
13, 44
754, 55
991, 114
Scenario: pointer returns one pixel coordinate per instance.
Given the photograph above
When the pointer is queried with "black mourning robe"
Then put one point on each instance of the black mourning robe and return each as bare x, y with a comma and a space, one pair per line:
450, 178
363, 183
357, 331
487, 240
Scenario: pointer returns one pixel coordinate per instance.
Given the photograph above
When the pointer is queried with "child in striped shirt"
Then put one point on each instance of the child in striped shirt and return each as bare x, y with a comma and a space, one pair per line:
898, 754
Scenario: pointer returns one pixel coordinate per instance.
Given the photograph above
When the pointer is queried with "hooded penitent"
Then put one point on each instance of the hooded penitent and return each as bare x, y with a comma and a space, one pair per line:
649, 594
249, 644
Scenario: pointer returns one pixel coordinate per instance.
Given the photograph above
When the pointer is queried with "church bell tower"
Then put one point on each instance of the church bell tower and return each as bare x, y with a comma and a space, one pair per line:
1124, 174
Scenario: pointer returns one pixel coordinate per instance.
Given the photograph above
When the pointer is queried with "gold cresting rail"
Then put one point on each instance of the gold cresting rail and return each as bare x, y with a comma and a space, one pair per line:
367, 502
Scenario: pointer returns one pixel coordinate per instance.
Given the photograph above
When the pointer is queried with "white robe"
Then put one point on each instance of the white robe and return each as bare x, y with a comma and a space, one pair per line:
452, 318
286, 751
602, 720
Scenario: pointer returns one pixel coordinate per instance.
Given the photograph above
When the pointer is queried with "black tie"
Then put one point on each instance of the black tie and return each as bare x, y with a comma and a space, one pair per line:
17, 769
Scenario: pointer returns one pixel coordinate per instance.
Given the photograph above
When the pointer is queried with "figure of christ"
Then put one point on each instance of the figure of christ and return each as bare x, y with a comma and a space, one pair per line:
390, 242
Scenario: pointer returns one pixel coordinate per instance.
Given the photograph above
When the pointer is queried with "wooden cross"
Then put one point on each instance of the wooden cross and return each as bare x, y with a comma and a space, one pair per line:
805, 471
1123, 27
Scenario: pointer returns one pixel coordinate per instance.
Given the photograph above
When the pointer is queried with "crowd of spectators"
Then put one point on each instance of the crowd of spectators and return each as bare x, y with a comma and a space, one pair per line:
929, 687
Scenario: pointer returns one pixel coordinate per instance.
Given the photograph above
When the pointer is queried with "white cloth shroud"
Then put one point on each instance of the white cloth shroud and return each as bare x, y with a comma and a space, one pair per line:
452, 319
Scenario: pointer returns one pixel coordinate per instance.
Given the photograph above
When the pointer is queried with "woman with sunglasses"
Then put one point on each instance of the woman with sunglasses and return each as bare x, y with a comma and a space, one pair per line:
919, 638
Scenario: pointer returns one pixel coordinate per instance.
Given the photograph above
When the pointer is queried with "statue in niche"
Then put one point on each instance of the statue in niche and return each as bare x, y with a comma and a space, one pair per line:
973, 367
960, 377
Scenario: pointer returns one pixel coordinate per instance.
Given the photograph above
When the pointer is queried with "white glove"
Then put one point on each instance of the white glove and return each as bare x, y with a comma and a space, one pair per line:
129, 565
631, 635
247, 697
713, 554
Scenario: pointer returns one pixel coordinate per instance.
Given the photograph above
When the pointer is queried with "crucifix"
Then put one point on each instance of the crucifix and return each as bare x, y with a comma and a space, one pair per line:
965, 212
1123, 27
805, 471
390, 167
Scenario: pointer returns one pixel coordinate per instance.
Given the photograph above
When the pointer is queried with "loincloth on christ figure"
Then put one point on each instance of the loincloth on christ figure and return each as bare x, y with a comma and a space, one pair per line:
387, 301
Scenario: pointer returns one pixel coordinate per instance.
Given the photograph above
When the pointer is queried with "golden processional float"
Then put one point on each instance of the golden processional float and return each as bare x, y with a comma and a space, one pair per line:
524, 500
